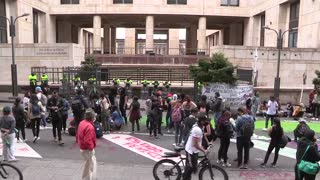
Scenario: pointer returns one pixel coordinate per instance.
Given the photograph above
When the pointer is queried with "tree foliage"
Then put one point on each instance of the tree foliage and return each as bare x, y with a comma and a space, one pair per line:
216, 69
316, 81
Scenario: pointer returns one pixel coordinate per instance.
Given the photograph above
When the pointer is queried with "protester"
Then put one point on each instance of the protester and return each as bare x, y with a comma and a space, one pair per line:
26, 100
105, 113
307, 150
188, 123
271, 112
148, 111
225, 129
203, 105
34, 113
208, 134
123, 103
168, 115
65, 111
193, 147
135, 114
289, 110
176, 119
276, 133
312, 103
79, 106
217, 108
43, 99
118, 121
86, 138
19, 116
155, 117
187, 105
55, 106
244, 130
301, 128
7, 125
255, 104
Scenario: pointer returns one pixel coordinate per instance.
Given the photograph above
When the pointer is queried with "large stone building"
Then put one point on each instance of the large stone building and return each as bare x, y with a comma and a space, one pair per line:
60, 32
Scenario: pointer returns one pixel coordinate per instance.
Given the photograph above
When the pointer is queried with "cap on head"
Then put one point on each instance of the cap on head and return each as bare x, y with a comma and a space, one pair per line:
301, 120
6, 110
38, 88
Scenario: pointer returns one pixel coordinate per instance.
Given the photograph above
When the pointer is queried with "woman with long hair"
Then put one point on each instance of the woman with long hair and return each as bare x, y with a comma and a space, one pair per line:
276, 133
34, 112
135, 114
19, 115
225, 129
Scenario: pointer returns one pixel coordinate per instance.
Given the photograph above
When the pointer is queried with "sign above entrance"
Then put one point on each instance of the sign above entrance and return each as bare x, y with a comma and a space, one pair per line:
52, 51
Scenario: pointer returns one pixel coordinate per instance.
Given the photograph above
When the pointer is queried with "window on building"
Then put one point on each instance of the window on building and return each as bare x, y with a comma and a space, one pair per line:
176, 1
229, 2
262, 24
3, 22
294, 23
35, 26
122, 1
70, 1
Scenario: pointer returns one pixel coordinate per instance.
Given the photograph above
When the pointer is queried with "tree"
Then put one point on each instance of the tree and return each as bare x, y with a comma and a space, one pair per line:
316, 81
216, 69
88, 68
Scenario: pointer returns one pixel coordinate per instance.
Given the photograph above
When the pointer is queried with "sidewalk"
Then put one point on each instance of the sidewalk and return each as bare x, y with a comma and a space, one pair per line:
49, 169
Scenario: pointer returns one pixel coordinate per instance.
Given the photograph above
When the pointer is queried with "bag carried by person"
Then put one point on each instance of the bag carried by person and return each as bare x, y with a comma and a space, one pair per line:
307, 166
247, 128
284, 141
77, 105
303, 128
98, 129
35, 110
176, 115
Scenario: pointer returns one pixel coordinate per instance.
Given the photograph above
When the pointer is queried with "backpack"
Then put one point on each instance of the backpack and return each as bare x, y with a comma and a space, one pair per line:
284, 141
98, 129
176, 115
247, 127
35, 110
228, 128
77, 105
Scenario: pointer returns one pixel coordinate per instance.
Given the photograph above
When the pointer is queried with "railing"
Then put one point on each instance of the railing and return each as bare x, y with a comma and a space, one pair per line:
176, 75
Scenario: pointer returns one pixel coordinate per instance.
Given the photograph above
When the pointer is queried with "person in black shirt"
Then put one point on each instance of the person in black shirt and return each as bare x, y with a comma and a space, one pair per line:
55, 106
19, 115
123, 103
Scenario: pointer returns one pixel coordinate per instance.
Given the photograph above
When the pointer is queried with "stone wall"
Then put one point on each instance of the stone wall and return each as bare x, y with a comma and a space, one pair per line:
35, 55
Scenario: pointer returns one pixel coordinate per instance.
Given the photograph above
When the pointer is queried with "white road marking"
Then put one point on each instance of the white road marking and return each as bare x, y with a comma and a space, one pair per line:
22, 150
138, 146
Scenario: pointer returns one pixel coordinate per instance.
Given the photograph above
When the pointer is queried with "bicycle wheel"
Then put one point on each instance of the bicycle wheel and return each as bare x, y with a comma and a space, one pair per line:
10, 172
217, 173
167, 169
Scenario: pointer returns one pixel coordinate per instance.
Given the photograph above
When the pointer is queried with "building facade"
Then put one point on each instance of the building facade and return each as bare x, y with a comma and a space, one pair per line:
154, 27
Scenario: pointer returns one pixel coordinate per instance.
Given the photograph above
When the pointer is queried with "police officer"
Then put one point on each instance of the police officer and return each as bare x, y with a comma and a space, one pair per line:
76, 80
145, 83
33, 81
167, 85
92, 80
116, 82
44, 79
128, 82
155, 84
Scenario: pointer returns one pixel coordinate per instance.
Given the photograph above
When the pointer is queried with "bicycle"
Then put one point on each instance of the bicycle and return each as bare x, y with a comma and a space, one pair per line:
173, 170
10, 172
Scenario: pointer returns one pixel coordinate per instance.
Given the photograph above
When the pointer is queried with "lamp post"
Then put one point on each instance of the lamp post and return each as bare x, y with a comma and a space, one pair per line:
12, 29
280, 35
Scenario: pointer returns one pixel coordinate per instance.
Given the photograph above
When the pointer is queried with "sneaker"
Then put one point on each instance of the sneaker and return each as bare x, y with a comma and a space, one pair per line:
227, 164
156, 137
174, 144
25, 140
273, 165
19, 141
35, 139
244, 166
262, 165
61, 143
264, 129
219, 161
161, 134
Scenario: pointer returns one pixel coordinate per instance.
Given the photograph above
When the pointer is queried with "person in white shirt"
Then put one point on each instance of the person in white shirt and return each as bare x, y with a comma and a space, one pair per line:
193, 146
272, 111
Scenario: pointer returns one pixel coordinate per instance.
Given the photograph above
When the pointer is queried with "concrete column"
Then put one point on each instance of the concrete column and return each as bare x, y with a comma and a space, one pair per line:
80, 36
149, 33
113, 40
97, 34
51, 29
130, 41
174, 42
106, 40
220, 40
202, 34
191, 40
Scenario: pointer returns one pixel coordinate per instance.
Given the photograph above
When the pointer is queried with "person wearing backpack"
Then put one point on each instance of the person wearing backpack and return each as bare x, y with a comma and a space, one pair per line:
244, 130
43, 99
34, 113
301, 128
65, 111
55, 106
176, 117
276, 133
217, 108
225, 129
307, 151
78, 106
